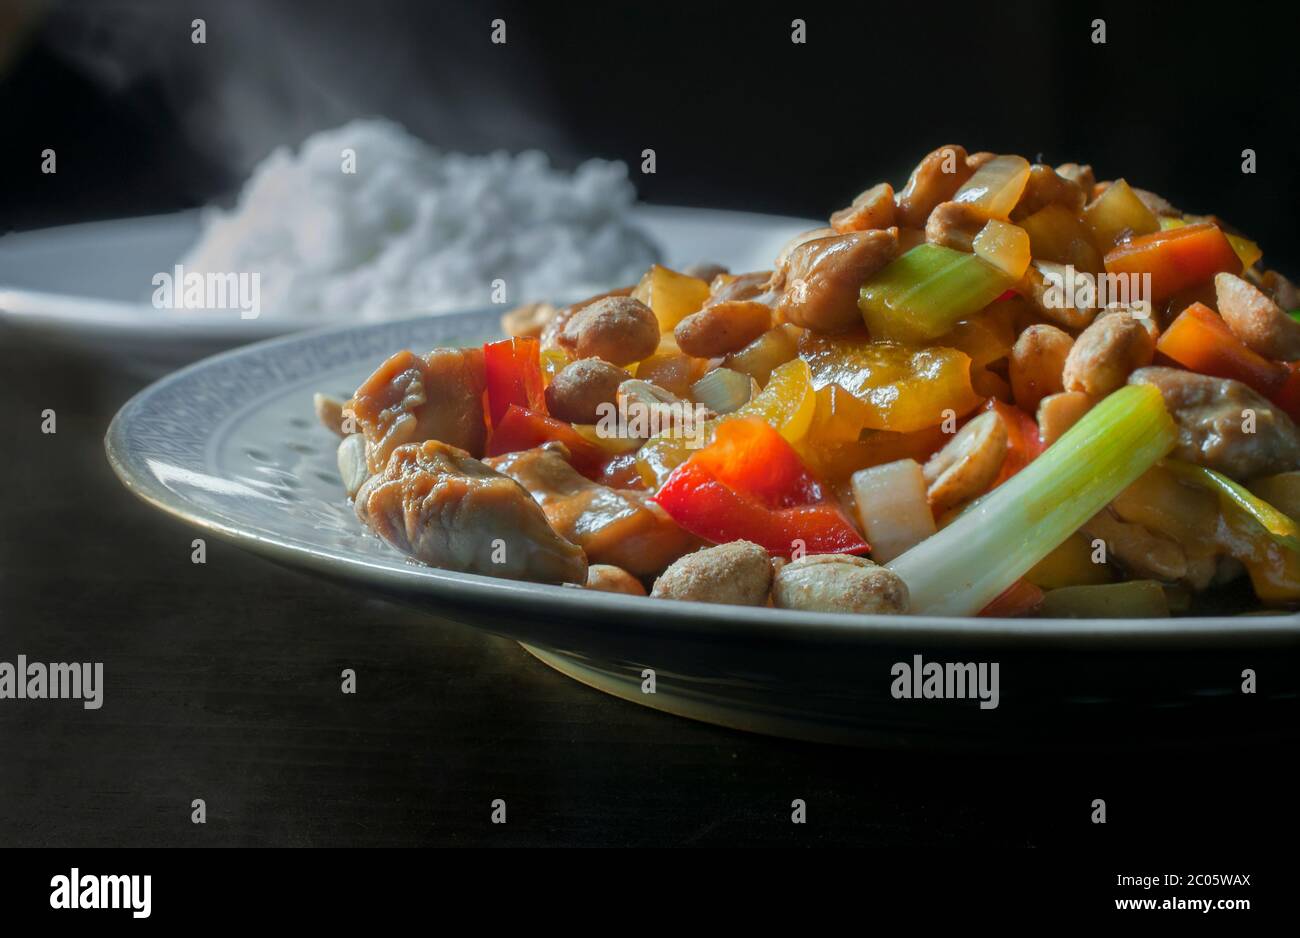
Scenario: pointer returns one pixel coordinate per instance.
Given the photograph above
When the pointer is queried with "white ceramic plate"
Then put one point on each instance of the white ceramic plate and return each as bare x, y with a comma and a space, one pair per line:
230, 446
89, 285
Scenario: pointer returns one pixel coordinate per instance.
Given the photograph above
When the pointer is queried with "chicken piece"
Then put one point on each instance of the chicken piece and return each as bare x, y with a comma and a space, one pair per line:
1224, 425
619, 527
410, 399
936, 179
741, 288
1143, 552
1046, 186
447, 509
873, 208
823, 278
1256, 319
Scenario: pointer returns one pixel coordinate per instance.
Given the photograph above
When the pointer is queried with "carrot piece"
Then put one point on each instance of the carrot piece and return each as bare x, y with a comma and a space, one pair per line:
1200, 341
1176, 259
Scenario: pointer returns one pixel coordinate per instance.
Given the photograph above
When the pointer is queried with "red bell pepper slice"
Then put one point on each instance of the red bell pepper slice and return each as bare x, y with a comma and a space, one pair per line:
1201, 341
514, 376
750, 456
522, 429
1176, 259
1018, 599
1024, 444
751, 485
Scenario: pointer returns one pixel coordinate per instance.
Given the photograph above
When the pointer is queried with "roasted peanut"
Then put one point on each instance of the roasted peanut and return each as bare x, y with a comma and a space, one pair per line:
968, 464
936, 179
738, 574
577, 391
1107, 352
618, 329
955, 225
873, 208
721, 328
1059, 412
351, 459
528, 321
553, 332
839, 583
1044, 286
1256, 319
1037, 360
606, 578
329, 411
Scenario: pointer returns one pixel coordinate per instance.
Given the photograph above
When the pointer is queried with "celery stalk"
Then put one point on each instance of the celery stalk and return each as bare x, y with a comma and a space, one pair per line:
923, 294
963, 567
1278, 526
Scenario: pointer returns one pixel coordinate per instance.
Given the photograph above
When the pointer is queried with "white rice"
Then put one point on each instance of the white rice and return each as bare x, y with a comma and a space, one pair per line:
415, 229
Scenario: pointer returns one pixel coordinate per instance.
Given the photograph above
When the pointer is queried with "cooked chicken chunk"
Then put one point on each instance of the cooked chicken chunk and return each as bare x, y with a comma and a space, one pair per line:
823, 278
619, 527
936, 179
1224, 425
442, 506
410, 399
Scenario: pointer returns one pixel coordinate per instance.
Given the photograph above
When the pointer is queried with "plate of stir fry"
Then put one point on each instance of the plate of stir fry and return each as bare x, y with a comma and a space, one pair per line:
1004, 410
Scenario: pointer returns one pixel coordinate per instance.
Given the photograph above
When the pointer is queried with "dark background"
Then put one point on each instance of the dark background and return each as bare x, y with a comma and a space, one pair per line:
223, 679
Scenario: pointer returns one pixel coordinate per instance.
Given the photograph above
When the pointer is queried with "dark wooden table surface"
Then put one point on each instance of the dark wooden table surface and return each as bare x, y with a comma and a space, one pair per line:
222, 683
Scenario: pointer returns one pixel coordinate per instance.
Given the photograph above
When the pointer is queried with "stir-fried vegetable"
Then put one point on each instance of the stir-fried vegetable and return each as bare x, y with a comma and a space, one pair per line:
749, 484
723, 390
905, 388
1133, 599
967, 564
1281, 528
1200, 341
513, 372
787, 403
892, 507
927, 291
1117, 214
671, 295
1176, 259
522, 429
1005, 246
996, 186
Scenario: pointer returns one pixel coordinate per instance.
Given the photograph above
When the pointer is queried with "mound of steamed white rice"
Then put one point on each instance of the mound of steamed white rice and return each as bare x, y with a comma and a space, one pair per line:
417, 230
